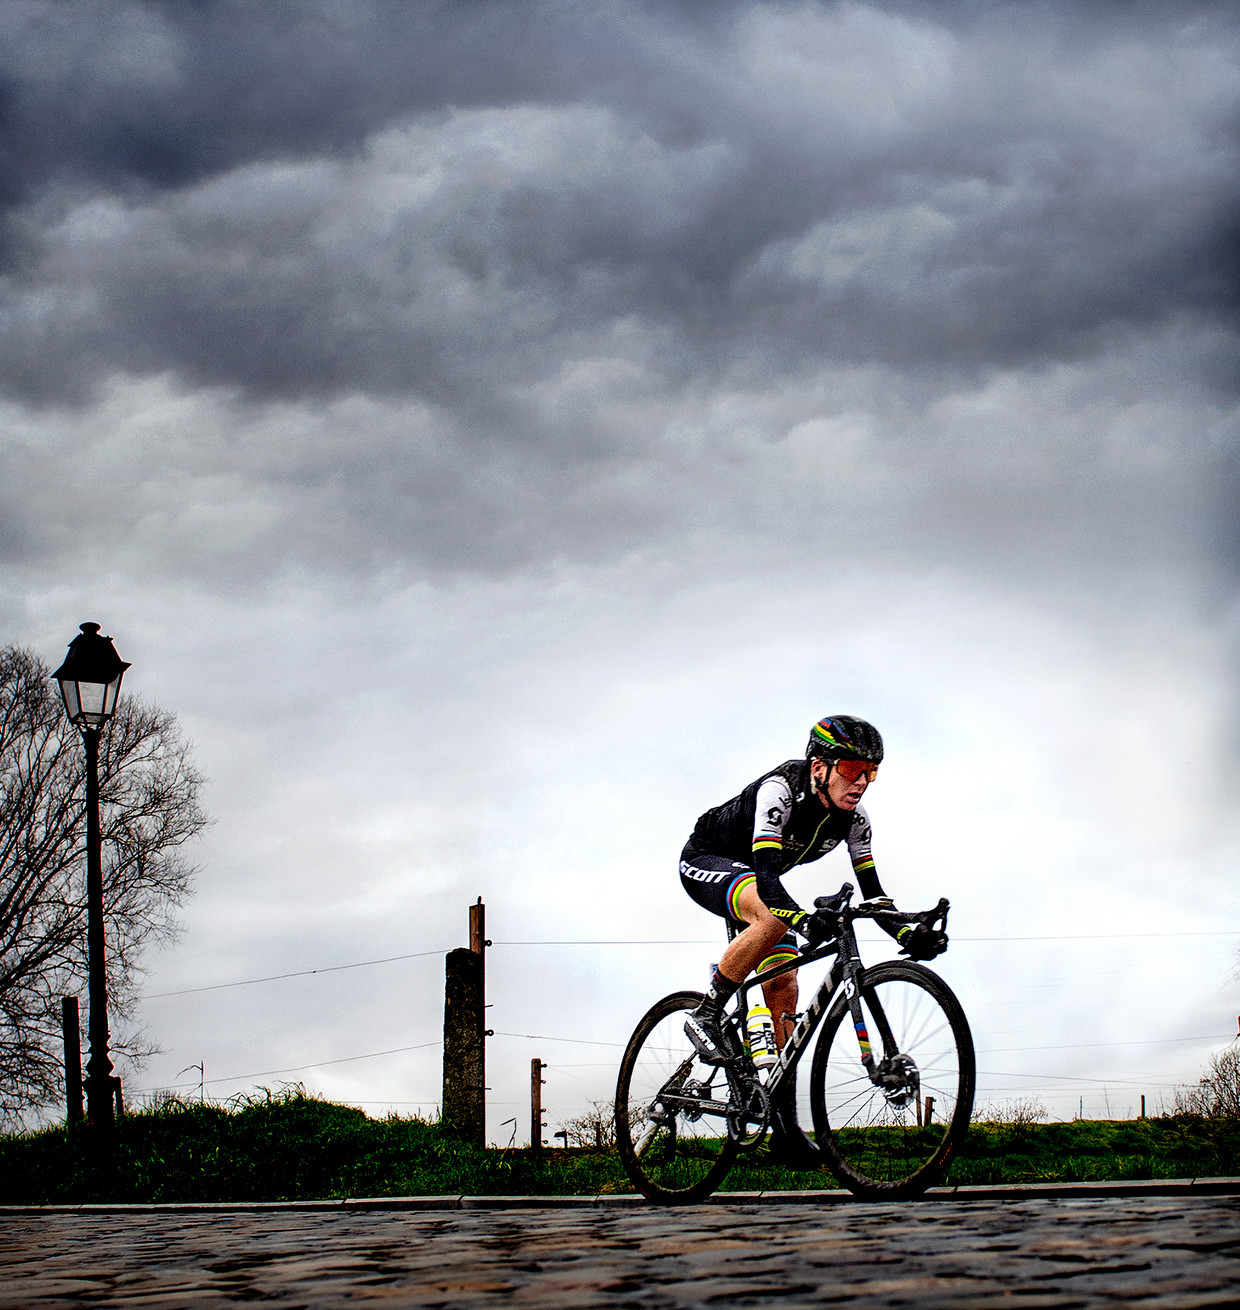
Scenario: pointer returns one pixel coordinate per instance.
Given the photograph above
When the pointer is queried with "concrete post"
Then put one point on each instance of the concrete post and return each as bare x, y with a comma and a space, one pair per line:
465, 1033
464, 1049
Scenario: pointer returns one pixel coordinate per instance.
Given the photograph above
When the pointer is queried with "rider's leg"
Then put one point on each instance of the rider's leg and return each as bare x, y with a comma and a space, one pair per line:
781, 999
753, 943
789, 1145
742, 955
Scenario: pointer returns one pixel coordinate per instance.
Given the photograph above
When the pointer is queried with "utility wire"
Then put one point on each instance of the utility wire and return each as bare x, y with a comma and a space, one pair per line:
1054, 937
1084, 1046
541, 1037
300, 973
687, 941
301, 1068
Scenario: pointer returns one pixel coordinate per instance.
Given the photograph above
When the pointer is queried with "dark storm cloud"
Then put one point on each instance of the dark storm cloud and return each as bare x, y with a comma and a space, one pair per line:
770, 184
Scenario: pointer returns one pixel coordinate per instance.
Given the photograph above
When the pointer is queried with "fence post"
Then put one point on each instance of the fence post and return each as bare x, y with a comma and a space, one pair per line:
70, 1027
536, 1119
464, 1035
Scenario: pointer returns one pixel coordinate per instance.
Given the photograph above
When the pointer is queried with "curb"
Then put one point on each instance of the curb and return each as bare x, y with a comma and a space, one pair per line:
1181, 1187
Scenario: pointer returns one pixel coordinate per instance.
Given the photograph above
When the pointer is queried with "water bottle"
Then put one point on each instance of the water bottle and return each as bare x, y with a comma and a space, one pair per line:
761, 1032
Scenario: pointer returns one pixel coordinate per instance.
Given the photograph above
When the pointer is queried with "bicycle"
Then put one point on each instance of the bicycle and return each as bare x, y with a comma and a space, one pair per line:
886, 1125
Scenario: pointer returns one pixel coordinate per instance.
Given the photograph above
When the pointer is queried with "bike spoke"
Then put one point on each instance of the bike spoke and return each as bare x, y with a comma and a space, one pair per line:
686, 1152
869, 1130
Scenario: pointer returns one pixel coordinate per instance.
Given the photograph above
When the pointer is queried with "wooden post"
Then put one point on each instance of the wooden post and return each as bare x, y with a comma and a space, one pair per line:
1142, 1105
536, 1119
70, 1027
464, 1034
928, 1112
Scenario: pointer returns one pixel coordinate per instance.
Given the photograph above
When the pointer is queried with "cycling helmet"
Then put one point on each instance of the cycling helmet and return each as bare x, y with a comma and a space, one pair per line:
841, 737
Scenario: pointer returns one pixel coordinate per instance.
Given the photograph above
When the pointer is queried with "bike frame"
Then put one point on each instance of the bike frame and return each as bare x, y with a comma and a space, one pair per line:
846, 972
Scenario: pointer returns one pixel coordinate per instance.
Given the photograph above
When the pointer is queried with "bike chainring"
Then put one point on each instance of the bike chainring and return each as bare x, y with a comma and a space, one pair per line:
749, 1109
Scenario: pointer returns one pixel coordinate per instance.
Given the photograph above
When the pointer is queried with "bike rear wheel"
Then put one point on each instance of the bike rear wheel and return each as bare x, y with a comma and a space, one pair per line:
670, 1128
872, 1136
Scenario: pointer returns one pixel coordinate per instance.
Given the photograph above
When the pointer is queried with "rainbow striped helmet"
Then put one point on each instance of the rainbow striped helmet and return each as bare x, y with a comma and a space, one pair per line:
841, 737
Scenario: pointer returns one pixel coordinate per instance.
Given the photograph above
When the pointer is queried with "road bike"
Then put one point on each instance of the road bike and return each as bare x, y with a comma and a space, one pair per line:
887, 1118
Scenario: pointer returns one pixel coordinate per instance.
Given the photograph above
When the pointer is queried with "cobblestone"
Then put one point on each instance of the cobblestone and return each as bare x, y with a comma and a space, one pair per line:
1036, 1252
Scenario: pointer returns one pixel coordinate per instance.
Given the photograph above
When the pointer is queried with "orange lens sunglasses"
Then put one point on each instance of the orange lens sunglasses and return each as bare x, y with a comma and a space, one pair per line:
854, 769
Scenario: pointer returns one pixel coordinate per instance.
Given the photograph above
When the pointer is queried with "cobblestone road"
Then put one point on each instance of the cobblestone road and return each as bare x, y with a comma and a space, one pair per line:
1165, 1252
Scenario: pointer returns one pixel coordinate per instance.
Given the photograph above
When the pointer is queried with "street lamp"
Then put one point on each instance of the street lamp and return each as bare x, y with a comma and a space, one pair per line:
90, 681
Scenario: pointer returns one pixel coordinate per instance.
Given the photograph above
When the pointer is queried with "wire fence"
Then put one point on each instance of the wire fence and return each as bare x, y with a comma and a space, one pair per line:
1041, 1083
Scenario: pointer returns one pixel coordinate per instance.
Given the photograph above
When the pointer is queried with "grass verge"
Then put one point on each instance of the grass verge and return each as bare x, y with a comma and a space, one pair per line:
292, 1146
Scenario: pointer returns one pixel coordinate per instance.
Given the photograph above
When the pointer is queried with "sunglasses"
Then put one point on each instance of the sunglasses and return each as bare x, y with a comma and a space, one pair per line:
851, 770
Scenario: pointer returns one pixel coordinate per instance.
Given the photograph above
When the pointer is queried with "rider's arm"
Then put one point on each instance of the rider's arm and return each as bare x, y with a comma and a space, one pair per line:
774, 804
867, 877
861, 856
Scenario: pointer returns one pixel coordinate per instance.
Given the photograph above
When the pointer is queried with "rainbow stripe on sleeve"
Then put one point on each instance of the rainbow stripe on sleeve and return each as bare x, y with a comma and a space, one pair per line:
864, 865
768, 841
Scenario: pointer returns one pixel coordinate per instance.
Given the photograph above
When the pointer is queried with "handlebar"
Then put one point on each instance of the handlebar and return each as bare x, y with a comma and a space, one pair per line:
838, 905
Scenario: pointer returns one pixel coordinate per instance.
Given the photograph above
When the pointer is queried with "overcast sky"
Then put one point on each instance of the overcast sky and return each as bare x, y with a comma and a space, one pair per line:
499, 430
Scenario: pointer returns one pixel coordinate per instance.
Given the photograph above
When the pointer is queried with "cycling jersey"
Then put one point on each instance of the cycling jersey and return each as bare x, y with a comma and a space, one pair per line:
777, 822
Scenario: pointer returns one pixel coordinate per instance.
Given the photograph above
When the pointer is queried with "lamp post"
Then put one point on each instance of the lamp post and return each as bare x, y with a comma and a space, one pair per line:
90, 682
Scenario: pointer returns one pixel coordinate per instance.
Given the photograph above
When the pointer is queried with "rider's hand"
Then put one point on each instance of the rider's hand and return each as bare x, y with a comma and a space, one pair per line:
920, 942
879, 904
819, 927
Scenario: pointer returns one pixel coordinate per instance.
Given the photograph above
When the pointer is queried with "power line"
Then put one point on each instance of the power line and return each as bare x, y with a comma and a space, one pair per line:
687, 941
579, 1041
301, 1068
1085, 1046
300, 973
1100, 936
1068, 1078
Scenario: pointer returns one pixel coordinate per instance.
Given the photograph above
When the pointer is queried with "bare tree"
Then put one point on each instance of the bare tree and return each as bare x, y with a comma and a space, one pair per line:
149, 806
596, 1129
1217, 1094
1020, 1112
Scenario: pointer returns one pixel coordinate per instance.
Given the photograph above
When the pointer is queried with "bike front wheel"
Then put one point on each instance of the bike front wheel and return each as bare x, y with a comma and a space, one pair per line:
671, 1126
893, 1139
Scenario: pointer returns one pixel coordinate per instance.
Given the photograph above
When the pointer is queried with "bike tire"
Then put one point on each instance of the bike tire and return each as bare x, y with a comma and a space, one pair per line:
682, 1160
871, 1142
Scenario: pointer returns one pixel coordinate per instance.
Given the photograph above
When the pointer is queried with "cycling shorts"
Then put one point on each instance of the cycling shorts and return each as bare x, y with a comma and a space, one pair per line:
715, 882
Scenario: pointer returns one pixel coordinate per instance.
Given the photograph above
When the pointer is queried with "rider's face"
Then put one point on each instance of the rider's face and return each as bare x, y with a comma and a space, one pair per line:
844, 795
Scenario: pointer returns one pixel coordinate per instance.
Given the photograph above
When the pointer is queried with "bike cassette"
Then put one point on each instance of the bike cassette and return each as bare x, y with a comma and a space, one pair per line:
695, 1094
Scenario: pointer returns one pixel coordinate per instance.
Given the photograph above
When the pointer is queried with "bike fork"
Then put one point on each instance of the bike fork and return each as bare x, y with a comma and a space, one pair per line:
853, 980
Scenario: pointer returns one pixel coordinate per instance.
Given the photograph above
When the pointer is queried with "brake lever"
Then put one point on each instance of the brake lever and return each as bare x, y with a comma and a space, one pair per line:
834, 904
939, 914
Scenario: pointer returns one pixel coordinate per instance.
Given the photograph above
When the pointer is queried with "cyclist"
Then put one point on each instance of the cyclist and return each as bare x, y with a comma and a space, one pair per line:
732, 866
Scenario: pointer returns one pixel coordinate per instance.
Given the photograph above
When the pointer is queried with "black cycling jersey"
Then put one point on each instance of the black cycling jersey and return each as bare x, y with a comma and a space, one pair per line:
777, 822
